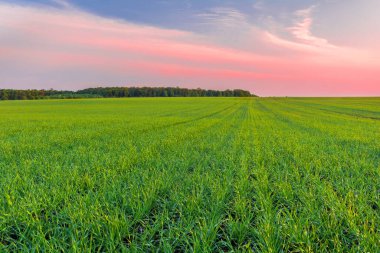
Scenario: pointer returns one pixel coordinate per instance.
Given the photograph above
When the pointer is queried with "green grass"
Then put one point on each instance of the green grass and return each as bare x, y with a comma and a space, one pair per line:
190, 174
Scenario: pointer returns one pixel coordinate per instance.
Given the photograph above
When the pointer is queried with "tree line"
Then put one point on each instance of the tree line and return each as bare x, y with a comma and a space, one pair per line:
119, 92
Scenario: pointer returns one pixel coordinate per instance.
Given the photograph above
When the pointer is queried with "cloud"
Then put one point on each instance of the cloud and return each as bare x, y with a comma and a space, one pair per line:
66, 48
259, 5
223, 17
44, 44
302, 30
302, 37
300, 40
63, 3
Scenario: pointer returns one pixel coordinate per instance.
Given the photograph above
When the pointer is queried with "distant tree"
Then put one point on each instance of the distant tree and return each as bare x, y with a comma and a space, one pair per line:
108, 92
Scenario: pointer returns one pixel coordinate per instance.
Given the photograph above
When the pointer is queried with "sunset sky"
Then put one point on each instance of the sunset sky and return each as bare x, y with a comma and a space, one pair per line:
271, 47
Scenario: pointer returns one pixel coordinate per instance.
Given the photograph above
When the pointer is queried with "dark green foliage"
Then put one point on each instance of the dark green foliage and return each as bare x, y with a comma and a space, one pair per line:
119, 92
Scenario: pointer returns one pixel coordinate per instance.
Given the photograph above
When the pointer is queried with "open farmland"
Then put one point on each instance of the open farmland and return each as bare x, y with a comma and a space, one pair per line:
190, 174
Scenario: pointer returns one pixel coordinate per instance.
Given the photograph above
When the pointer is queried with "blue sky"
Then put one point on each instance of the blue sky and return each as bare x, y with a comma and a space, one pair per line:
271, 47
339, 20
336, 19
175, 13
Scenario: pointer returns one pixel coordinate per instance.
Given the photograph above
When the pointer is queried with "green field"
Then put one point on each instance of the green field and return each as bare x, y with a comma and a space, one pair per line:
190, 174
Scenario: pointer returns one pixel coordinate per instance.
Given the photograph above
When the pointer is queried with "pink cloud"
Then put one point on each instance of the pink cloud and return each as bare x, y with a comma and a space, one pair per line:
72, 49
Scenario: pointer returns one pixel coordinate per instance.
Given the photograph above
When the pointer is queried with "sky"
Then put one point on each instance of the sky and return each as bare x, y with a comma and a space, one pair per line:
271, 47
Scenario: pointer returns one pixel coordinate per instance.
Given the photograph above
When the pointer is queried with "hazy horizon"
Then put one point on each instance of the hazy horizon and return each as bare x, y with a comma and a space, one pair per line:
312, 48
